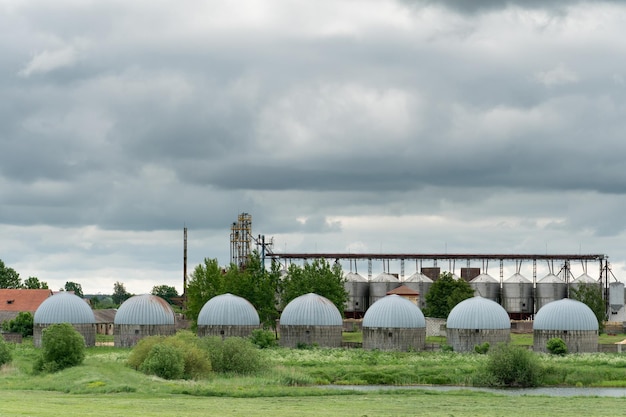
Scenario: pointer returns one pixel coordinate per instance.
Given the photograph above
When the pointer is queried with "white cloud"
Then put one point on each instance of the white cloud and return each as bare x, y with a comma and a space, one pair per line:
558, 75
50, 60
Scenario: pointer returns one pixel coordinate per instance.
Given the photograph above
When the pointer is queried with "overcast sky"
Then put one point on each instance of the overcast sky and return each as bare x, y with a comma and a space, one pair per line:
340, 126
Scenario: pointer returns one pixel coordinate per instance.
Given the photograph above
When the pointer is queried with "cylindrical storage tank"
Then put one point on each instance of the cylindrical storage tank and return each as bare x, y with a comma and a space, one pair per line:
381, 285
570, 320
394, 323
65, 307
583, 280
310, 320
616, 296
420, 283
227, 315
517, 295
475, 321
140, 316
486, 286
549, 288
358, 289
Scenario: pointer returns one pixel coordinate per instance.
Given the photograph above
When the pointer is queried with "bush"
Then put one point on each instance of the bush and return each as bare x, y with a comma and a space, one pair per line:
196, 360
263, 338
482, 349
141, 350
233, 354
556, 346
22, 324
512, 366
164, 361
62, 347
6, 355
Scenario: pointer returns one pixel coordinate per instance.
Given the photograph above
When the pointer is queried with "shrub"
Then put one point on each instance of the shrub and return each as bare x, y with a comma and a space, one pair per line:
512, 366
233, 354
62, 347
263, 338
141, 350
5, 352
196, 360
164, 361
556, 346
482, 349
22, 324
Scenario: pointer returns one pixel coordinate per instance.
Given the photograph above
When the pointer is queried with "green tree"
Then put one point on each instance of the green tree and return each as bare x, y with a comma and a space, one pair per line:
8, 277
73, 286
318, 277
205, 282
166, 292
62, 347
591, 295
119, 293
22, 323
33, 283
444, 294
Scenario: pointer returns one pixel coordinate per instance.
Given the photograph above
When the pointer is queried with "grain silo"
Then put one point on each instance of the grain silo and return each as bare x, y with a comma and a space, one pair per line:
394, 323
570, 320
227, 315
420, 283
475, 321
358, 289
549, 288
517, 296
141, 316
65, 307
310, 320
486, 286
583, 280
616, 296
381, 285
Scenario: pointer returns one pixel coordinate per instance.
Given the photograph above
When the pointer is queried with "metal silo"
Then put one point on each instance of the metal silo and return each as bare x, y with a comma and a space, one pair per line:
549, 288
569, 320
517, 295
381, 285
582, 280
420, 283
486, 286
616, 296
358, 288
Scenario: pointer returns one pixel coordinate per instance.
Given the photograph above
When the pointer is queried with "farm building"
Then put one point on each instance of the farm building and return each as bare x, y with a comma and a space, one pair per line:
310, 320
227, 315
570, 320
141, 316
65, 307
394, 323
475, 321
420, 283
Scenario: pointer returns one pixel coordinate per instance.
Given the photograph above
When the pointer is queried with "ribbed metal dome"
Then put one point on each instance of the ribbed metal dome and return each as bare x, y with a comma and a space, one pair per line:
418, 277
64, 307
565, 314
517, 278
585, 279
550, 279
311, 310
478, 313
144, 309
354, 277
385, 277
228, 310
394, 311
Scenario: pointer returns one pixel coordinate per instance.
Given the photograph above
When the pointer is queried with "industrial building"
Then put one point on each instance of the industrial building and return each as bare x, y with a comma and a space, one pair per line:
227, 315
310, 320
65, 307
141, 316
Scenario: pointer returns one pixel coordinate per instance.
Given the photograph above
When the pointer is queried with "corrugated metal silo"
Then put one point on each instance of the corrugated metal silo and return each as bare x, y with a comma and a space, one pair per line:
569, 320
140, 316
381, 285
582, 280
549, 288
65, 307
486, 286
358, 288
310, 320
616, 296
420, 283
227, 315
517, 295
394, 323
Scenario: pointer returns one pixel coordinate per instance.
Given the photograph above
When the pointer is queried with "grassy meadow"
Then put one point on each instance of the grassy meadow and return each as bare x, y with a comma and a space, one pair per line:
296, 381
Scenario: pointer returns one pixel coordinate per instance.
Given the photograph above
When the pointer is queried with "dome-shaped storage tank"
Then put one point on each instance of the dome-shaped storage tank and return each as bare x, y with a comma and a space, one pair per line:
65, 307
310, 319
420, 283
583, 280
381, 285
486, 286
227, 315
549, 288
570, 320
616, 296
140, 316
475, 321
517, 296
394, 323
358, 289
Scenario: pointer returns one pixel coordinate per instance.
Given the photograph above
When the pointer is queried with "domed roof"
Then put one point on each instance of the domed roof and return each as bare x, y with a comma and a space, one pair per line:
385, 277
64, 307
311, 310
484, 278
354, 277
565, 314
478, 313
144, 309
418, 277
394, 311
517, 279
228, 310
550, 279
585, 279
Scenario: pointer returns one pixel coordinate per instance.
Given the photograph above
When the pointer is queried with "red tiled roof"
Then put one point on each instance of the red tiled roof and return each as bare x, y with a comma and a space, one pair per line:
22, 299
403, 290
